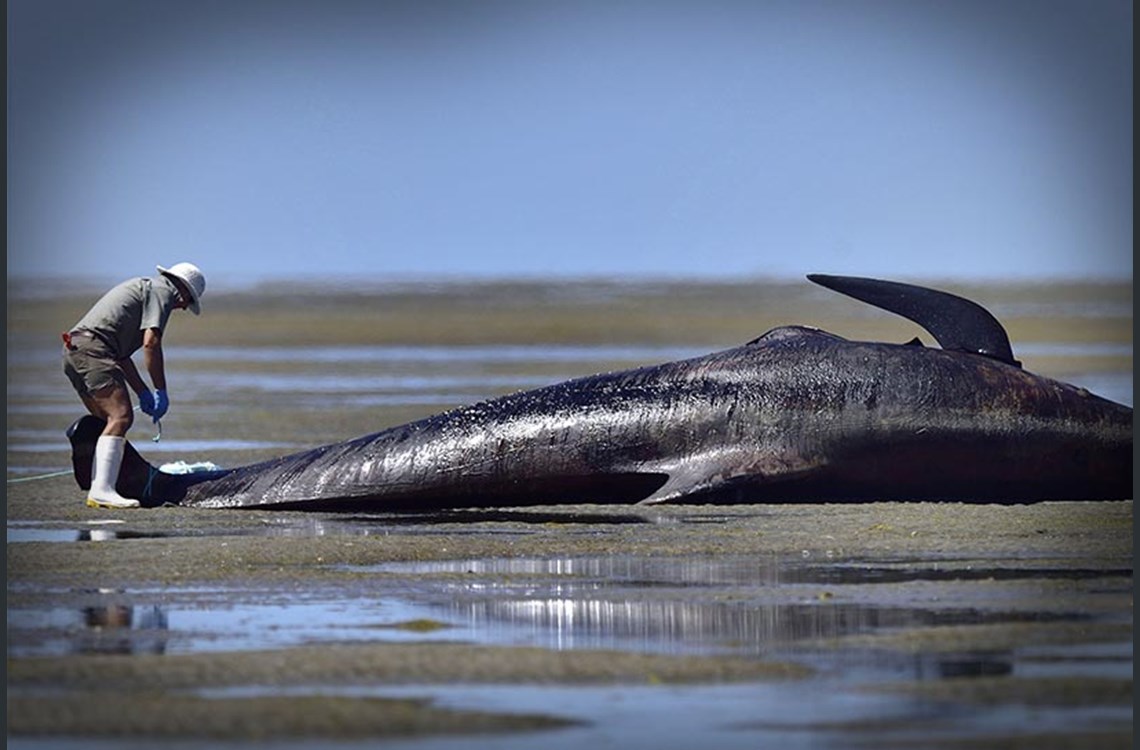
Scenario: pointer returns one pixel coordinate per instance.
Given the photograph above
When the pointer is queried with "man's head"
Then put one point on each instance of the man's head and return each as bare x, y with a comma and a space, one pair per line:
190, 282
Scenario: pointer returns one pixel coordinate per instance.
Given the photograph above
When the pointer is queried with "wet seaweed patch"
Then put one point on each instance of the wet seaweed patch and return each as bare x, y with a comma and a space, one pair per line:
418, 625
938, 727
498, 515
1008, 635
138, 715
382, 663
917, 570
1071, 691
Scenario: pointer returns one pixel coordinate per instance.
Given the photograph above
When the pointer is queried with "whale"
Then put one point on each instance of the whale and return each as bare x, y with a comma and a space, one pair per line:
796, 415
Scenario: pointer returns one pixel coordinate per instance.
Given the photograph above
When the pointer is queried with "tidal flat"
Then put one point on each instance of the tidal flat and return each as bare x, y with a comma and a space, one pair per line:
878, 624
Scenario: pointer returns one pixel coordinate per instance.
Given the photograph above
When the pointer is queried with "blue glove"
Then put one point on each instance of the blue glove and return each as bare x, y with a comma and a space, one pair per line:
146, 403
161, 404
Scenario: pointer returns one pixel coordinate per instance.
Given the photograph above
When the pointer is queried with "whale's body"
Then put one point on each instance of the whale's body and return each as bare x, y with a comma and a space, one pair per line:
798, 415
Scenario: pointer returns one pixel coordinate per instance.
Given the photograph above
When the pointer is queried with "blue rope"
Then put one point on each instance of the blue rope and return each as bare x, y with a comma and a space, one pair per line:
151, 473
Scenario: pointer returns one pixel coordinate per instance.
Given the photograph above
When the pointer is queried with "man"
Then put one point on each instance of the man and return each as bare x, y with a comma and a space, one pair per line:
97, 361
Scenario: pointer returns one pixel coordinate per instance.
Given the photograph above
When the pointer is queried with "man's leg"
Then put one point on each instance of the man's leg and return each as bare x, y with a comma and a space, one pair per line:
113, 403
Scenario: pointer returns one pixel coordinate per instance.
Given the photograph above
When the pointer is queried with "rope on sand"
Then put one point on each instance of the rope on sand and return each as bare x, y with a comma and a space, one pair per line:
178, 467
39, 476
16, 480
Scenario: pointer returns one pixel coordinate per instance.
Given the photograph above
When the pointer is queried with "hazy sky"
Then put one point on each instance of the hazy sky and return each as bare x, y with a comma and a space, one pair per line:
338, 138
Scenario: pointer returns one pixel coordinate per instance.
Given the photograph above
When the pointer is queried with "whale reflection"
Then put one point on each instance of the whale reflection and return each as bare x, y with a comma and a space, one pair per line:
771, 608
674, 626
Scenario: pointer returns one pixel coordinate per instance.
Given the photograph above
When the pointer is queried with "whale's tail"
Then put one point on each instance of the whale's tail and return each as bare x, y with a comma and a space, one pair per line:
138, 479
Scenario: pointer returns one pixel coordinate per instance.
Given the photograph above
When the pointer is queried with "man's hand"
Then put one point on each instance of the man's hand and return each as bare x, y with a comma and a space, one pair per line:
161, 404
146, 403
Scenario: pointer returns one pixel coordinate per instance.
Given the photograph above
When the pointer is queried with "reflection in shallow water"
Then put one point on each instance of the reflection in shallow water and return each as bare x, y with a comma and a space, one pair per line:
777, 609
201, 623
679, 627
122, 629
198, 621
106, 623
305, 526
736, 605
746, 570
721, 605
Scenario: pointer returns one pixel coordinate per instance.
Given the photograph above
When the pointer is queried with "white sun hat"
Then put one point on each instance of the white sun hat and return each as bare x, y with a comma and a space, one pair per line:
192, 277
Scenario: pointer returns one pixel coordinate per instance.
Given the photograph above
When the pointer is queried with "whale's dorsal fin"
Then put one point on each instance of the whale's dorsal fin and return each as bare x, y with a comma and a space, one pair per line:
957, 323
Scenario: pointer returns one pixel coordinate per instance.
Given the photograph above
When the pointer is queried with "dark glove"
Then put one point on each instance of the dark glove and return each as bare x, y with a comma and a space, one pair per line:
161, 404
146, 403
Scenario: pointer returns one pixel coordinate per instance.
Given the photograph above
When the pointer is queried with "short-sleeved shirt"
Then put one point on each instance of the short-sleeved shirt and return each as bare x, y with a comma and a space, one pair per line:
121, 315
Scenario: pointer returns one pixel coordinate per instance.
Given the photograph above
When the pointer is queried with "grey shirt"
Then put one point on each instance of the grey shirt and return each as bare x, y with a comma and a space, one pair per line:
121, 315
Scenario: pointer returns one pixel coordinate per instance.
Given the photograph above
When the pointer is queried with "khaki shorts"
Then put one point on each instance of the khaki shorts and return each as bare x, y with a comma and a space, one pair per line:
90, 365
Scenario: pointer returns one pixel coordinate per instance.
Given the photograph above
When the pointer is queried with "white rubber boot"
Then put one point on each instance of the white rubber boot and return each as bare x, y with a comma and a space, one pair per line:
105, 473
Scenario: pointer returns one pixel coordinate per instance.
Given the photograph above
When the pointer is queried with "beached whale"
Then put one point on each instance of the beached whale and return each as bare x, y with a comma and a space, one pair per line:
796, 415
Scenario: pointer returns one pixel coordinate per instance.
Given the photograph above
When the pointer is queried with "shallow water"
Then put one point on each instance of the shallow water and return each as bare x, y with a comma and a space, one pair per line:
727, 604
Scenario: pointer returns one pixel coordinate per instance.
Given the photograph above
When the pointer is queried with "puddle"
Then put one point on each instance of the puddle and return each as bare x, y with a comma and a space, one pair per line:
815, 610
305, 526
679, 606
16, 536
727, 717
746, 571
716, 606
19, 535
40, 531
223, 620
199, 622
675, 627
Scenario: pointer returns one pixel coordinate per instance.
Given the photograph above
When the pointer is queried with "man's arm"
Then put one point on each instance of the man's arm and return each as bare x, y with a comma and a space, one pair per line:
152, 358
134, 380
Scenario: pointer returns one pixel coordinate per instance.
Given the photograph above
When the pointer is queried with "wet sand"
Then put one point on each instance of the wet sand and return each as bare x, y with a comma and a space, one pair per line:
140, 694
1023, 612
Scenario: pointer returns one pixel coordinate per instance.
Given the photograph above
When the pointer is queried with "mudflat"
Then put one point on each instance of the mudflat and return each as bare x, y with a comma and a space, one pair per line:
831, 625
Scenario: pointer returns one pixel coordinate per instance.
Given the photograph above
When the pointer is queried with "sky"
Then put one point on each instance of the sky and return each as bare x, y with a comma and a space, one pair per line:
325, 139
